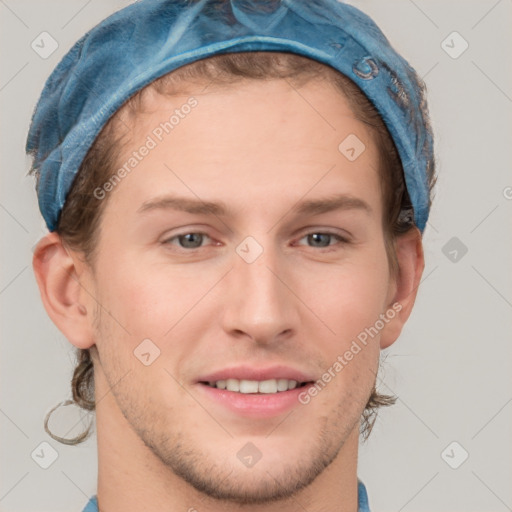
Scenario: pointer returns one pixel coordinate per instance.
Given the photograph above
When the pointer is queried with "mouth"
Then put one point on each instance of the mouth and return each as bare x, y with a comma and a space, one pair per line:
256, 387
255, 392
254, 399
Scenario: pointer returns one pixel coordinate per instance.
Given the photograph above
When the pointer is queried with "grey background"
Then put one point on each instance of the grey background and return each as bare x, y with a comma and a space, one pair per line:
451, 366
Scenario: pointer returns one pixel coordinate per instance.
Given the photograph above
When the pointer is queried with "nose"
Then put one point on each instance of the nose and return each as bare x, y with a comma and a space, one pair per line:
259, 301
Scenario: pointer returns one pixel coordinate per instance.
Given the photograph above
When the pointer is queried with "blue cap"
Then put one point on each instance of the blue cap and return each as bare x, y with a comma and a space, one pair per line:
149, 38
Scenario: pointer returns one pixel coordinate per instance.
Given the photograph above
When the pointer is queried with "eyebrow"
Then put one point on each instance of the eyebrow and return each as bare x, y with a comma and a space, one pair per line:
200, 207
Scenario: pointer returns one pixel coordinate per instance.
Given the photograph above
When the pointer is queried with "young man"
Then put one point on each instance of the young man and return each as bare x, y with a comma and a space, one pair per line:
235, 194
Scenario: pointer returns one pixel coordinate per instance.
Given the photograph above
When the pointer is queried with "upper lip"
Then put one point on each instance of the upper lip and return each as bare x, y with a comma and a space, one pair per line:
254, 373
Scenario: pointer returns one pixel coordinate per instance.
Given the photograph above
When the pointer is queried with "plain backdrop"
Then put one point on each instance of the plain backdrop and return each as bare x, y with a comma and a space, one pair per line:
446, 445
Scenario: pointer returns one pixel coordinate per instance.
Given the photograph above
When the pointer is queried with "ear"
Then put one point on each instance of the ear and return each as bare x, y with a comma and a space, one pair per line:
58, 277
404, 288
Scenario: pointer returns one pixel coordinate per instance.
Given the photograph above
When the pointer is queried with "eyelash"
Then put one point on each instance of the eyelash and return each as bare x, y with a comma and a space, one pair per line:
342, 240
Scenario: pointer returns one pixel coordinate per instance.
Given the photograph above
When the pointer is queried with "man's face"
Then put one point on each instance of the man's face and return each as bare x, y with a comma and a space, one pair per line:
261, 286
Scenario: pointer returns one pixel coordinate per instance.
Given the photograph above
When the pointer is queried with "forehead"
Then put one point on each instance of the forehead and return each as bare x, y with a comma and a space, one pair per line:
247, 141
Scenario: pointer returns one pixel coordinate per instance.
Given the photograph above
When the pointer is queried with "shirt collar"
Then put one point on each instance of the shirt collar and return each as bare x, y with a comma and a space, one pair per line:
362, 500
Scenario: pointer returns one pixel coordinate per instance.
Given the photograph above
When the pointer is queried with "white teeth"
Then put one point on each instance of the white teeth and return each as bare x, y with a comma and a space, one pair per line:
255, 386
233, 385
268, 386
248, 386
221, 384
282, 385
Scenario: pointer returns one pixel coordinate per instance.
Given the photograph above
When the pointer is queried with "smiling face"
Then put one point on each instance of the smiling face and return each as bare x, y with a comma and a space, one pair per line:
244, 241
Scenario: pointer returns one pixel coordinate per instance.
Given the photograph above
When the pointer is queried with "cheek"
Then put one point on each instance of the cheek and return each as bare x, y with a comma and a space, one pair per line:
350, 296
349, 299
133, 296
148, 299
349, 302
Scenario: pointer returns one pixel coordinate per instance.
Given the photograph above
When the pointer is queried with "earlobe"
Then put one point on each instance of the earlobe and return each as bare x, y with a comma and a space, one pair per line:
61, 291
411, 263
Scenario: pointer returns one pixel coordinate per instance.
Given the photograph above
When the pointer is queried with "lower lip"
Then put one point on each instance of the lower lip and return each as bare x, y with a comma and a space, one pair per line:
262, 405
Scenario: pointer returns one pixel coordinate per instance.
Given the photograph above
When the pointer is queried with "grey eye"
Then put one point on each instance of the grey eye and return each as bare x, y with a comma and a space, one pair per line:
190, 240
320, 239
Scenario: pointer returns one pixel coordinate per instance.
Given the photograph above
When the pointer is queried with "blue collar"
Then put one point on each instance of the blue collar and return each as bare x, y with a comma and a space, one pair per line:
362, 500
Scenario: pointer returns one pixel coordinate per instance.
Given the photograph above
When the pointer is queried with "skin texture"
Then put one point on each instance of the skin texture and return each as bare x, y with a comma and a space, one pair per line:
259, 147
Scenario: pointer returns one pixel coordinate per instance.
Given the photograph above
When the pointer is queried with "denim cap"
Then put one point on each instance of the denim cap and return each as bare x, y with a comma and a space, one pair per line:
149, 38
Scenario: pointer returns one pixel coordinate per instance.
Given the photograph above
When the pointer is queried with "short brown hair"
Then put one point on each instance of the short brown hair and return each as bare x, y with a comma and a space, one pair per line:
81, 215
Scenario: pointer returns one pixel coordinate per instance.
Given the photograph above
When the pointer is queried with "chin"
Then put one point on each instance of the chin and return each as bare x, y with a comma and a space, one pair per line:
255, 485
247, 469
